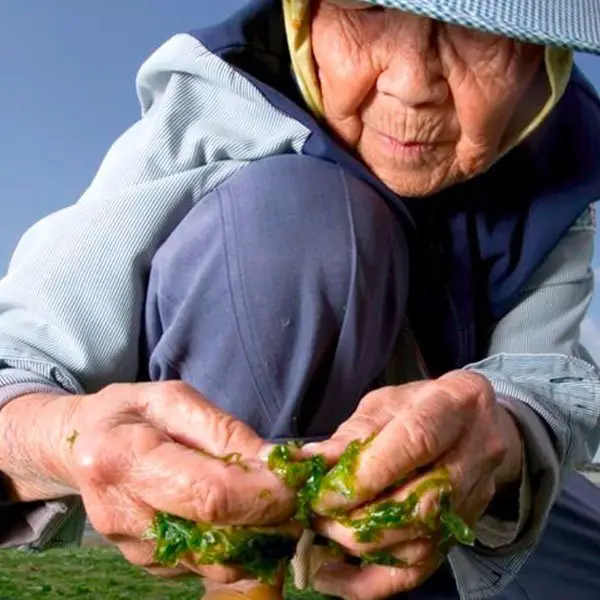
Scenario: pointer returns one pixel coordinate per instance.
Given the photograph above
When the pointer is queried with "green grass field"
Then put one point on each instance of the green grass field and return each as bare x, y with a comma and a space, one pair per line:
93, 573
88, 573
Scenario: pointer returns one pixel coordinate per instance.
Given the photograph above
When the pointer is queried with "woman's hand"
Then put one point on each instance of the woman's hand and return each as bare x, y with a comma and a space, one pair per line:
452, 423
132, 450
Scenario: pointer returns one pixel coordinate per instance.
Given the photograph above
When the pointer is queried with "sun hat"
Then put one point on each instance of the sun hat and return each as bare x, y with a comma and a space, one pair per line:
573, 24
488, 15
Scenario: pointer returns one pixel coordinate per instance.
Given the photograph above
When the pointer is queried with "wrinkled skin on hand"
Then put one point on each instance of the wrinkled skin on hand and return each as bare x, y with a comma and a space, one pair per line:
423, 512
453, 423
138, 449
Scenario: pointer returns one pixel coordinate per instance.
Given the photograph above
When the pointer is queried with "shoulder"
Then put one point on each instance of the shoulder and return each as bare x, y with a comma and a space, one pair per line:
208, 111
185, 59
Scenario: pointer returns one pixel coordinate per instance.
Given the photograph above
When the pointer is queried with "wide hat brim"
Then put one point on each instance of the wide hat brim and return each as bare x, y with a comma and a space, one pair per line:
573, 24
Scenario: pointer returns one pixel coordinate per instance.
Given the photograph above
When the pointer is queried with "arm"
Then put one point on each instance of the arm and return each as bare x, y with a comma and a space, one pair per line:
71, 302
547, 380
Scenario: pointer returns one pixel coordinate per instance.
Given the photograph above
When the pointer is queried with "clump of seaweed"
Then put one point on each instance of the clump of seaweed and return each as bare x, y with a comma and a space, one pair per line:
262, 553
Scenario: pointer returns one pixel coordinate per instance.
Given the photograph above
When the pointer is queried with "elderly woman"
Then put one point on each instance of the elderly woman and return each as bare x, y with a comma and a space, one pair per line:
334, 219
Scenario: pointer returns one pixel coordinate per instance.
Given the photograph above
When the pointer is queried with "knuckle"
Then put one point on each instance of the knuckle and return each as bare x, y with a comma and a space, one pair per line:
471, 388
343, 536
421, 439
375, 398
498, 450
210, 500
371, 399
95, 468
228, 425
422, 551
171, 389
379, 405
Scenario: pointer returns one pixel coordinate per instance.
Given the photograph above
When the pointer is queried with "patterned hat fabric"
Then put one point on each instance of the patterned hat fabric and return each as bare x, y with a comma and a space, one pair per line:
573, 24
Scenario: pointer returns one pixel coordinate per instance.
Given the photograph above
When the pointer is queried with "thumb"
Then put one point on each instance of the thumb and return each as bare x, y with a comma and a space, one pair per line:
331, 449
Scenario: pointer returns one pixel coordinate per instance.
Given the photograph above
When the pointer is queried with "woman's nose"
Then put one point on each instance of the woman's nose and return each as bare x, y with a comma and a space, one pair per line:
413, 72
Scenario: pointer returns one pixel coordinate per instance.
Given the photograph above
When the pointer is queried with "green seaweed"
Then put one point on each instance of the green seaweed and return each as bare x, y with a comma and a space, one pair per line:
396, 514
72, 438
305, 476
382, 558
342, 477
235, 458
261, 553
453, 528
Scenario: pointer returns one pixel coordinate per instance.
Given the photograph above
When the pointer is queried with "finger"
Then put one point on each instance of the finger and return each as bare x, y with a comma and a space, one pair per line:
141, 554
375, 410
476, 502
346, 536
189, 418
186, 568
409, 554
473, 460
138, 552
179, 572
408, 513
217, 573
130, 521
416, 552
201, 488
419, 434
372, 582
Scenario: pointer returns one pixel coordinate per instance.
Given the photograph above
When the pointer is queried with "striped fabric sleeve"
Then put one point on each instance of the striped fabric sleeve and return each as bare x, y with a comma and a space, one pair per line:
546, 378
71, 303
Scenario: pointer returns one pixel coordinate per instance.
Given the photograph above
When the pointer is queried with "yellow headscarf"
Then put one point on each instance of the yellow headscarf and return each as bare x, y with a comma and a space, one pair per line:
558, 61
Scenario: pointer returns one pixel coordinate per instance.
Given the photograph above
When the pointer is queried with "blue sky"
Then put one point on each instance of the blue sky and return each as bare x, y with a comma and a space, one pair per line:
68, 73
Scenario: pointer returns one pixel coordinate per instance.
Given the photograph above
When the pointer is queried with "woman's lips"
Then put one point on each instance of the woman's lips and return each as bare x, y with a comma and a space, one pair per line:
411, 151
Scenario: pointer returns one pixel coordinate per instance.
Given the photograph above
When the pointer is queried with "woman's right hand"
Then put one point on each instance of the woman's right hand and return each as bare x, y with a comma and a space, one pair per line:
134, 449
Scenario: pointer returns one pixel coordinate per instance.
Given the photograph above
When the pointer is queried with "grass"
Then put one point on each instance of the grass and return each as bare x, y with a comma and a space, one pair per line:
97, 573
92, 573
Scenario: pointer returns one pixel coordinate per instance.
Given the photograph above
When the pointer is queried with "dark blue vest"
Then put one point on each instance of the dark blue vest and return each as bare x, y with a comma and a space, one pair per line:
473, 247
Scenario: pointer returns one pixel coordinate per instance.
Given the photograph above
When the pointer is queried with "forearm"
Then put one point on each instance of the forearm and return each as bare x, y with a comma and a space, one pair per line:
33, 441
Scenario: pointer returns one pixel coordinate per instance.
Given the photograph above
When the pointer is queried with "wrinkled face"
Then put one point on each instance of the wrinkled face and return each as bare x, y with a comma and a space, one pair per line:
424, 104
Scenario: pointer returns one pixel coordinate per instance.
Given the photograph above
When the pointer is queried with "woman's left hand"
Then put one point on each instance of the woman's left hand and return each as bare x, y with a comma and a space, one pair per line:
454, 423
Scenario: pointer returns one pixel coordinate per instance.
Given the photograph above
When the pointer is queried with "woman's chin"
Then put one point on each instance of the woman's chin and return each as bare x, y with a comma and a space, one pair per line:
415, 182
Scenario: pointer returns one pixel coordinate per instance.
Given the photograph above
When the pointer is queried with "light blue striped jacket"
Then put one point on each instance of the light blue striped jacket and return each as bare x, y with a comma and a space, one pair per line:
71, 302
